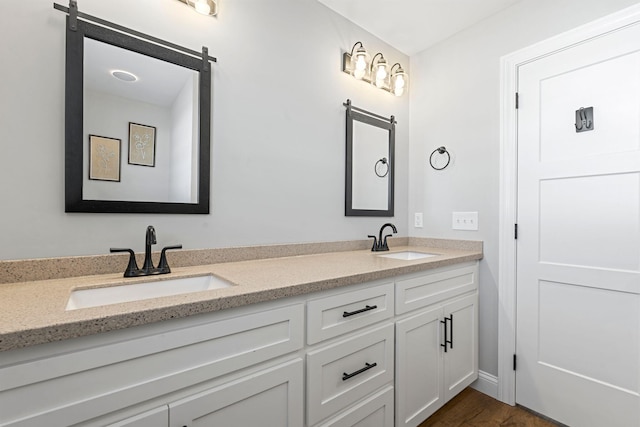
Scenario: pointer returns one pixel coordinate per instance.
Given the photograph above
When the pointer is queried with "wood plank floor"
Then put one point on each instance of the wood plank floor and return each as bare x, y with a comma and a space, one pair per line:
474, 409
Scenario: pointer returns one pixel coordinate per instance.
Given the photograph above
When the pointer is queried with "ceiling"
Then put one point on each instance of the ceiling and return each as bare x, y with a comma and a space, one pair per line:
414, 25
159, 82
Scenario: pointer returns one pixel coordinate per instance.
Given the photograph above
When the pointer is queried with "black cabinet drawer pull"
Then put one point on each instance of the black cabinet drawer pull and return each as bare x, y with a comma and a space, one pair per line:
367, 366
362, 310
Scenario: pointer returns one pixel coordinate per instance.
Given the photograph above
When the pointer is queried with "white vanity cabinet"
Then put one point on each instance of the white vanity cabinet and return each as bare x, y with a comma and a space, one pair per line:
436, 346
366, 355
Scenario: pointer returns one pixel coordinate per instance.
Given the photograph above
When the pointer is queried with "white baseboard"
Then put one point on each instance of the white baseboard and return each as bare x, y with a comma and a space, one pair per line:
487, 384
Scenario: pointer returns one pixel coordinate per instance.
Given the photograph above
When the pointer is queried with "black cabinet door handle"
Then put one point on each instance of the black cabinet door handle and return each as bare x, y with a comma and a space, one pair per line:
444, 344
362, 310
451, 331
448, 332
367, 366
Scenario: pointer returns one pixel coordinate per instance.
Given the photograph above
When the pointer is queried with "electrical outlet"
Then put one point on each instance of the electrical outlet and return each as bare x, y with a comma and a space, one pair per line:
417, 220
465, 221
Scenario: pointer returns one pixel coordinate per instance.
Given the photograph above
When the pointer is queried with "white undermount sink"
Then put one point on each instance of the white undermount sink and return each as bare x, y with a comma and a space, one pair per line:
407, 255
94, 297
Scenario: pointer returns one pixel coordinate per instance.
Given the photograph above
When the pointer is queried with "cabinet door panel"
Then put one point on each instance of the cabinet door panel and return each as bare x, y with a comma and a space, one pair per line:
272, 397
418, 367
461, 360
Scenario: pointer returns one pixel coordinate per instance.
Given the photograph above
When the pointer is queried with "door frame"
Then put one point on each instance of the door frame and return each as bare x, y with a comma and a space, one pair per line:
507, 254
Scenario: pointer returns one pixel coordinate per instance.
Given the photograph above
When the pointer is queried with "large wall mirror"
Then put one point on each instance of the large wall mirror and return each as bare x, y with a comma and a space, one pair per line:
137, 124
370, 163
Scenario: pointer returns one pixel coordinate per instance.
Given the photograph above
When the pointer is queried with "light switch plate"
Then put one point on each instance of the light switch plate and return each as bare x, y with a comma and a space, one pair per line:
417, 220
465, 221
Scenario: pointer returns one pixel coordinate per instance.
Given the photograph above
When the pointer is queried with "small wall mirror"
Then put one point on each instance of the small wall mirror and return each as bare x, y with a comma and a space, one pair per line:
370, 163
137, 123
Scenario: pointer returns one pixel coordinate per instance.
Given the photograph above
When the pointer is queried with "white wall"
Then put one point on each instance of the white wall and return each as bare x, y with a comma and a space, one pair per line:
455, 102
278, 142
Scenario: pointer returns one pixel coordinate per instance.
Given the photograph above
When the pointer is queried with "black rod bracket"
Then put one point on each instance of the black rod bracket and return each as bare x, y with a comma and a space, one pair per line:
73, 15
205, 58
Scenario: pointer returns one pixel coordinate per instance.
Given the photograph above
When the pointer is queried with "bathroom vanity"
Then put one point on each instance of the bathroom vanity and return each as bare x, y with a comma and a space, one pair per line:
327, 339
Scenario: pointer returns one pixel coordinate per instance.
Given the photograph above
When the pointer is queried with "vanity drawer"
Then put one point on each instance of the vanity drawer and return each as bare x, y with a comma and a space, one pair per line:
341, 374
376, 410
338, 314
422, 291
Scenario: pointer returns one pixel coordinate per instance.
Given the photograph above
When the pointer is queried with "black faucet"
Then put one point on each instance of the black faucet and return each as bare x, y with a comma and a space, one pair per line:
379, 244
147, 269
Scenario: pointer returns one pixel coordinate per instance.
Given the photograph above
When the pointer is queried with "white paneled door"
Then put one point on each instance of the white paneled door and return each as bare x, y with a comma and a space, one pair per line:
578, 243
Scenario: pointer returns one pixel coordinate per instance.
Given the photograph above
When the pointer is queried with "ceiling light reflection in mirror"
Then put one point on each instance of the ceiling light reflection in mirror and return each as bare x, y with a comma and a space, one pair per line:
122, 87
125, 76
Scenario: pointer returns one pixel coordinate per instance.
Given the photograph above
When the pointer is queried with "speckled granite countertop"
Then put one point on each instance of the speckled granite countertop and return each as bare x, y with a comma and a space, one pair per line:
33, 312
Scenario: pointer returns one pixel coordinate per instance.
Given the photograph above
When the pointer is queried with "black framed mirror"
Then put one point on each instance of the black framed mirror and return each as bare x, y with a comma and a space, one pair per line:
370, 168
140, 144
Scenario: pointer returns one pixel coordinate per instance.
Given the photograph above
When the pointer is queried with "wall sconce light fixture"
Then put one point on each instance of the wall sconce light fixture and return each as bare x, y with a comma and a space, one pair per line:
376, 72
205, 7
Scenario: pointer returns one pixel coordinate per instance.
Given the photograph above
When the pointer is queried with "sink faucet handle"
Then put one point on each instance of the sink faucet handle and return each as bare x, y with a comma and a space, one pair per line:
163, 265
375, 243
132, 269
384, 245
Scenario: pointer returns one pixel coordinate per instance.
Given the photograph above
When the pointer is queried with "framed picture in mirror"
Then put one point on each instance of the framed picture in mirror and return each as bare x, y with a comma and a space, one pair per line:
104, 158
142, 145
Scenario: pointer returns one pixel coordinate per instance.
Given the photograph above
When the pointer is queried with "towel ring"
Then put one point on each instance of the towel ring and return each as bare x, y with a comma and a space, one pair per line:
381, 167
439, 150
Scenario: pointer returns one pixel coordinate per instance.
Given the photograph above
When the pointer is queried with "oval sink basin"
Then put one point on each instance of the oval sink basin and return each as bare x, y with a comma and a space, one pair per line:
95, 297
407, 255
